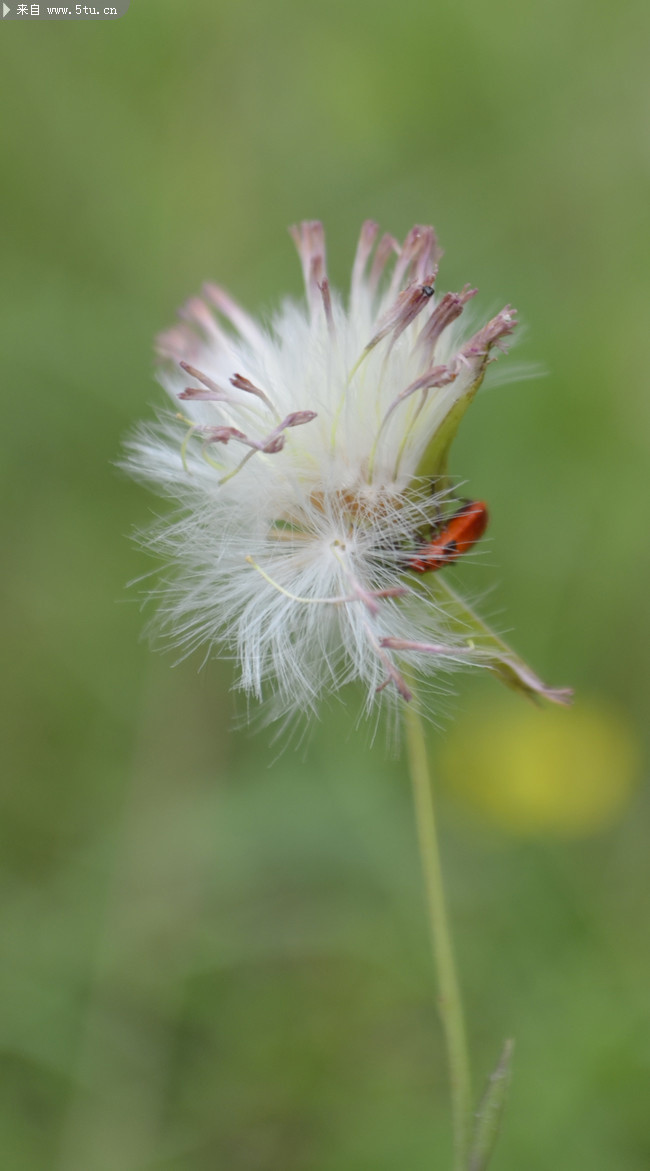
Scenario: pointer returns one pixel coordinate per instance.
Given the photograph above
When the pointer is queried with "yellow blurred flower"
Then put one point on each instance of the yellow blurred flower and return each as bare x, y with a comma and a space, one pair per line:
559, 772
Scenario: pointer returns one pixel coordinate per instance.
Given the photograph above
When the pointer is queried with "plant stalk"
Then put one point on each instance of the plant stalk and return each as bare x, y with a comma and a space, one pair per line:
449, 999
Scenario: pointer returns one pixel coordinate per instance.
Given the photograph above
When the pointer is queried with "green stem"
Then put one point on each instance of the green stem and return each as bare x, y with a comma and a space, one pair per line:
449, 1001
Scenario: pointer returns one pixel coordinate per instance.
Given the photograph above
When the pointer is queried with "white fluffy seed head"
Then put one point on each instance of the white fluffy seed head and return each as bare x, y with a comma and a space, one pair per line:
309, 460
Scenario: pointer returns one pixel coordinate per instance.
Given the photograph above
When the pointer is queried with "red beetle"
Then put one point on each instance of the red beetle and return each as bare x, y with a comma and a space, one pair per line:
458, 534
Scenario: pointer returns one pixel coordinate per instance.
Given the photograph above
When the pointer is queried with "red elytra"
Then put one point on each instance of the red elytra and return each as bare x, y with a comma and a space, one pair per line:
459, 533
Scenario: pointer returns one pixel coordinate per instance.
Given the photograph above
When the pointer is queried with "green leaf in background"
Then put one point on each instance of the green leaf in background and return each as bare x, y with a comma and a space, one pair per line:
490, 1111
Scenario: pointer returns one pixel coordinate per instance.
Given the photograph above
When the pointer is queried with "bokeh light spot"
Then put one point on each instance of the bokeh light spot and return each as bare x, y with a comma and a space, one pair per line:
544, 771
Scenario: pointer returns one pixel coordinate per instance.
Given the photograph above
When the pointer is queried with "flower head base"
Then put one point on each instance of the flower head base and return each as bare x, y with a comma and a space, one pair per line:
310, 461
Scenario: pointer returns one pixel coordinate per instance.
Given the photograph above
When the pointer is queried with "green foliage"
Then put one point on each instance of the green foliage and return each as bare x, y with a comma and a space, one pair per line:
490, 1112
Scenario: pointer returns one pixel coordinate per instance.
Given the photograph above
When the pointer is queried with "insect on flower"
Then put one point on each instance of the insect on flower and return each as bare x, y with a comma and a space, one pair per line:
456, 537
306, 455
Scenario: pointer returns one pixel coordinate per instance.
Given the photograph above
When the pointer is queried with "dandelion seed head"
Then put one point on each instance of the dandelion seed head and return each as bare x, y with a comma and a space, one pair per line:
308, 459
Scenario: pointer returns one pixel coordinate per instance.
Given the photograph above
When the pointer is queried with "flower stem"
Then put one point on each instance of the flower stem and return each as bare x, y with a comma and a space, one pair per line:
449, 1000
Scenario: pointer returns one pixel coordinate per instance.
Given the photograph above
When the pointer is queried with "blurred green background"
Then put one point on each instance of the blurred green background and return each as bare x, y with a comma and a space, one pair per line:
214, 956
